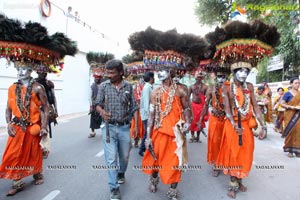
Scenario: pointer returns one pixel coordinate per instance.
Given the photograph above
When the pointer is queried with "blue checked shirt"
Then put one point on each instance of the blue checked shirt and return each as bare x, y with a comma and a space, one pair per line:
121, 104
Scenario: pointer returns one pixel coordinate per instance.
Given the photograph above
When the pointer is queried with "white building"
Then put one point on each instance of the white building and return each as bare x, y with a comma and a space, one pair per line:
72, 87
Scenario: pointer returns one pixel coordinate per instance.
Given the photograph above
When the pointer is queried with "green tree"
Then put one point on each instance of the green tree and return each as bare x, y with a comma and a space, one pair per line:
219, 12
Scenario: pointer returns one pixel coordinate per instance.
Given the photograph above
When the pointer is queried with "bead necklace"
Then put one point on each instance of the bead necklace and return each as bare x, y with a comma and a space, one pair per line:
160, 115
244, 109
23, 104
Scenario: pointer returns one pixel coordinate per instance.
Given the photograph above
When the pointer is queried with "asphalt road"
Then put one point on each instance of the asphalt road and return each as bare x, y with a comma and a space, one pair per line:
72, 171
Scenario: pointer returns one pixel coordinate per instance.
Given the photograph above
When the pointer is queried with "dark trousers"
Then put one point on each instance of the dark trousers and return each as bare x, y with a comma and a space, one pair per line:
142, 147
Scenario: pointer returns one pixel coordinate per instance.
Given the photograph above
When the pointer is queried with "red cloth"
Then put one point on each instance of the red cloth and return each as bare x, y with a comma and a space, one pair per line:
197, 110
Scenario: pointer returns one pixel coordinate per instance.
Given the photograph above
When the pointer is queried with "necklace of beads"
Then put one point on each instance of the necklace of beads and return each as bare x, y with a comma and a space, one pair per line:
23, 104
244, 109
160, 115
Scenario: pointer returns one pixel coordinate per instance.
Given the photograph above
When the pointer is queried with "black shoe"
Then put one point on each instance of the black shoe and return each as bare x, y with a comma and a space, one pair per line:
121, 178
115, 194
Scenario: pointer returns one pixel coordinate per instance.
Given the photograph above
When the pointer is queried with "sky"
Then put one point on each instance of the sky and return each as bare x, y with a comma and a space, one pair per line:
117, 19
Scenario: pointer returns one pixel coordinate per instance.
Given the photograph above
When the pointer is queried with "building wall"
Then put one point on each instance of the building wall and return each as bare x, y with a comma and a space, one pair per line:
72, 86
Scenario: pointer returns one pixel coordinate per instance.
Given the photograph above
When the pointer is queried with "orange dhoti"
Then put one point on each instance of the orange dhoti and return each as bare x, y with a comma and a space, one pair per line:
234, 159
164, 146
23, 154
215, 131
167, 161
140, 128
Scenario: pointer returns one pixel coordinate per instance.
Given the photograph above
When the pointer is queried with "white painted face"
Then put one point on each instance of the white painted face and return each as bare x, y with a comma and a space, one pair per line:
176, 79
221, 79
24, 73
241, 74
163, 75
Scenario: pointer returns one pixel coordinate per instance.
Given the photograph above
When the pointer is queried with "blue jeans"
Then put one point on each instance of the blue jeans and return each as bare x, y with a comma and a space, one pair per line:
142, 147
116, 152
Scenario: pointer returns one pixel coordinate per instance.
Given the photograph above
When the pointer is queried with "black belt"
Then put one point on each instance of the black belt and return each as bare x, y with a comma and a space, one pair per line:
118, 123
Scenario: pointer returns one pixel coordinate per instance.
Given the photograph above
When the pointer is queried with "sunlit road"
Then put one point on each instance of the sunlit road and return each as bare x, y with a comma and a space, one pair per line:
73, 171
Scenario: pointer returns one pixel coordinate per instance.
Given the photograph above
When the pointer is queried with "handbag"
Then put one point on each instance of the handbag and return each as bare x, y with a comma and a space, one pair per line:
253, 123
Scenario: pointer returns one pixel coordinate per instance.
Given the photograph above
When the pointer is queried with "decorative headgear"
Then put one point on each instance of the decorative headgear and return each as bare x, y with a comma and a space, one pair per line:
167, 49
30, 43
137, 68
210, 65
97, 61
241, 44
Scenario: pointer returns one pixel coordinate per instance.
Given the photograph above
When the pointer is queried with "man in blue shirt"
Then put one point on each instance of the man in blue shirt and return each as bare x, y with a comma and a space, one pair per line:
116, 103
144, 105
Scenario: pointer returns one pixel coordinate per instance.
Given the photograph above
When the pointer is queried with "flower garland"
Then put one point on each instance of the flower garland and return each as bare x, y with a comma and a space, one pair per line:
23, 104
219, 112
160, 115
246, 93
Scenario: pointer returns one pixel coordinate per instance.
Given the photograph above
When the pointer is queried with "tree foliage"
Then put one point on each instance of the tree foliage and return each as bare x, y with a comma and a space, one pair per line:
212, 12
98, 58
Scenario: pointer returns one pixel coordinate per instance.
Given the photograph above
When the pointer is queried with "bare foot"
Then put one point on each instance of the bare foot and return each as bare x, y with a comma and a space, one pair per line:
192, 140
38, 181
152, 188
216, 173
242, 188
231, 194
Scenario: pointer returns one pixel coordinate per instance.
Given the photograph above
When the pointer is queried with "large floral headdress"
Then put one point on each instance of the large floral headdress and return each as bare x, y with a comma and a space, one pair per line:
240, 44
167, 50
30, 43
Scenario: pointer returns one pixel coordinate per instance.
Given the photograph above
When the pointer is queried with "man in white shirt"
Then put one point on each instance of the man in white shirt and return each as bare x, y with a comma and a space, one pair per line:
144, 105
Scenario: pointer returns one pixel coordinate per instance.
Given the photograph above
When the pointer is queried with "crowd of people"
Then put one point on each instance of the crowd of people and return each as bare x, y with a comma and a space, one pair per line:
158, 118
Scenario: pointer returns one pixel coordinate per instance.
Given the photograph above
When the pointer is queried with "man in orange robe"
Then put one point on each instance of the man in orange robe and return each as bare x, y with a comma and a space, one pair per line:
241, 46
236, 158
216, 120
137, 94
23, 154
167, 104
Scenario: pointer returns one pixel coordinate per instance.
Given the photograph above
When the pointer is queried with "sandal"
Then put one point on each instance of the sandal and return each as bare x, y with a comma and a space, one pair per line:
153, 184
172, 194
18, 186
38, 179
92, 135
